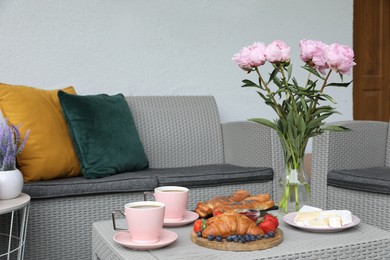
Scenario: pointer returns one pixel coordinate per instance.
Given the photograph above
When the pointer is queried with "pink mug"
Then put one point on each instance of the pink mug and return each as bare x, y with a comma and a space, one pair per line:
144, 220
175, 199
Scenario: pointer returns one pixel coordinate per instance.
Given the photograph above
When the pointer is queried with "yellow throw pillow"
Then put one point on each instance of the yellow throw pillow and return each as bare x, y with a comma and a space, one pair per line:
49, 152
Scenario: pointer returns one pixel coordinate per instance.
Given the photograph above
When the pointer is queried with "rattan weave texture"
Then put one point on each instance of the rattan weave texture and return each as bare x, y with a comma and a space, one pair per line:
178, 131
364, 147
252, 144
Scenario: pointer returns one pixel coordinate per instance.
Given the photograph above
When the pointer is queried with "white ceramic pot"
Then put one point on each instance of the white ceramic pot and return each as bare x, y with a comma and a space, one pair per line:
11, 184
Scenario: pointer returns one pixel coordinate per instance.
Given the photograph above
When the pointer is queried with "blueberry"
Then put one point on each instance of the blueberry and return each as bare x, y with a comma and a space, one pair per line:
253, 238
229, 239
271, 234
247, 238
235, 239
211, 237
199, 234
234, 236
218, 239
266, 236
242, 240
258, 237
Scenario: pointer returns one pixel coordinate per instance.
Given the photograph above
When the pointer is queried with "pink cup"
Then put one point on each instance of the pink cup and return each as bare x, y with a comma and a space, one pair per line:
175, 199
144, 220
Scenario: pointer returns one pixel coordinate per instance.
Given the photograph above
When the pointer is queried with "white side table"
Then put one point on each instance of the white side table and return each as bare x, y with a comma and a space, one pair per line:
17, 209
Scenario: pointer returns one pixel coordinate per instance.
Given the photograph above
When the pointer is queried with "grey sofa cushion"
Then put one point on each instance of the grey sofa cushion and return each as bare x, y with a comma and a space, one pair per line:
212, 175
147, 180
370, 179
75, 186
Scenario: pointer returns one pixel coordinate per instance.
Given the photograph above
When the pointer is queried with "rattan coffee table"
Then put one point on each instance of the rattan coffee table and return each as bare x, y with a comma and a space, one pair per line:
360, 242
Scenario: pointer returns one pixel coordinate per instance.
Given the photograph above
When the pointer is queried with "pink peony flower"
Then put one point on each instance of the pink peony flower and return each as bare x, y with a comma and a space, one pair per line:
314, 54
340, 58
277, 52
250, 57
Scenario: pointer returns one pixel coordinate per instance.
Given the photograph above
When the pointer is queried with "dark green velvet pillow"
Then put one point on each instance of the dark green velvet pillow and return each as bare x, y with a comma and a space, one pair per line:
103, 133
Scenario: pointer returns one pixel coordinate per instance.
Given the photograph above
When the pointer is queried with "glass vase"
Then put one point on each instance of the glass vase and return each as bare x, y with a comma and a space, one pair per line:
295, 187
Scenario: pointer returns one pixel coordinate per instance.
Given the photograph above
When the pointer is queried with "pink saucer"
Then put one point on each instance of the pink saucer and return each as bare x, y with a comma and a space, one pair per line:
189, 217
166, 237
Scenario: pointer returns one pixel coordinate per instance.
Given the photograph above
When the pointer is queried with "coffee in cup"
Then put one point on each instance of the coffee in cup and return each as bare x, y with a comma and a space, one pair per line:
144, 220
175, 199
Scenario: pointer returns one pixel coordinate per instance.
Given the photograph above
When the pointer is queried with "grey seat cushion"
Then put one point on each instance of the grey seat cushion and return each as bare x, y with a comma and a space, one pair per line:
371, 179
75, 186
147, 180
212, 175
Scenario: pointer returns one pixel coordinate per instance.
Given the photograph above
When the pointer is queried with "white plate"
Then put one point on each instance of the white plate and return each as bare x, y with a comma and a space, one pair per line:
189, 217
289, 219
166, 237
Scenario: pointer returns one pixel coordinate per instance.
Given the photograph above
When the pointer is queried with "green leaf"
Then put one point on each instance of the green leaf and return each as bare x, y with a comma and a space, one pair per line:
278, 82
266, 99
313, 71
281, 124
335, 128
273, 74
323, 109
312, 85
344, 85
248, 83
295, 82
328, 98
289, 71
302, 125
265, 122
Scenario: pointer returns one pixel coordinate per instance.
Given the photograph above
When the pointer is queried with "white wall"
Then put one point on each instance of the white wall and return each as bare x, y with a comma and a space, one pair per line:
162, 47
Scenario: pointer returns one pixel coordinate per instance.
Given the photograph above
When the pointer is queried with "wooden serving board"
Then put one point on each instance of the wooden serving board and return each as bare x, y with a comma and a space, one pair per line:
262, 244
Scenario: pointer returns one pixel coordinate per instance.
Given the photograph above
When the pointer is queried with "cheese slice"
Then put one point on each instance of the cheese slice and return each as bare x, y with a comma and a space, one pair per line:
334, 221
346, 216
336, 218
318, 223
326, 214
307, 213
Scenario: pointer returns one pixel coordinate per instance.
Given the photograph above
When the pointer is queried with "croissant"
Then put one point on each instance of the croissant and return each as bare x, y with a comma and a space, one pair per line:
228, 224
240, 199
247, 204
206, 208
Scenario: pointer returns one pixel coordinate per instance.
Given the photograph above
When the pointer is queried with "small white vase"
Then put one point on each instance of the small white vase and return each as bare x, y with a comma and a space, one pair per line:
11, 184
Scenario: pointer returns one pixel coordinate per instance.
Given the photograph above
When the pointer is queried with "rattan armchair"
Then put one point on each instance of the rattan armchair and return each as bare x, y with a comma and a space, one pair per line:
351, 170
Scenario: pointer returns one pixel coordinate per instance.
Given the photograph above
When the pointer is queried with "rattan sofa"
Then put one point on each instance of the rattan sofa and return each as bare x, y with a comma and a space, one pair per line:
351, 170
185, 144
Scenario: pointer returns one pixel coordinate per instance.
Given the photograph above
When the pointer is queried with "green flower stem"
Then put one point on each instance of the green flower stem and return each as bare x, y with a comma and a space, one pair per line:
291, 148
292, 186
308, 80
280, 113
287, 88
314, 104
325, 81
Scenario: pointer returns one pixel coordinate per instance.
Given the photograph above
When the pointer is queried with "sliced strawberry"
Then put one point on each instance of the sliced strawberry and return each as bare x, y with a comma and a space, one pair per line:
251, 214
